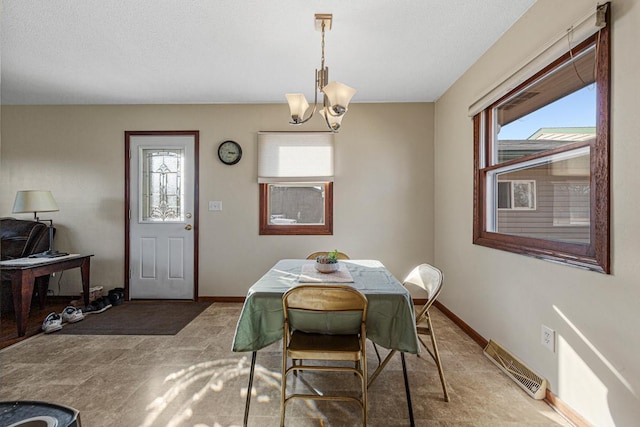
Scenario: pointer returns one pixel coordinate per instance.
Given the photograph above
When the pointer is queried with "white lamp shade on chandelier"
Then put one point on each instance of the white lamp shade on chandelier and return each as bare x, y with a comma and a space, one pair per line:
334, 122
339, 95
297, 104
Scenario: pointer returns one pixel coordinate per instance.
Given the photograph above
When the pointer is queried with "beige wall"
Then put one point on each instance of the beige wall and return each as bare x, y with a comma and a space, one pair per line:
383, 187
508, 297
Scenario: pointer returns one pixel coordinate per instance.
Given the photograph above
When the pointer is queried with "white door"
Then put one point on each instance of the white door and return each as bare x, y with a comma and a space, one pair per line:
161, 216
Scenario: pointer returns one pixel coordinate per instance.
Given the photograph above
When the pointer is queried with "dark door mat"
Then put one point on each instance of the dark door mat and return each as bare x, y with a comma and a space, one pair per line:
138, 318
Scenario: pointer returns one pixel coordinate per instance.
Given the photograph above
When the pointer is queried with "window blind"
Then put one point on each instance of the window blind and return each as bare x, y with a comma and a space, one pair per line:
295, 157
559, 45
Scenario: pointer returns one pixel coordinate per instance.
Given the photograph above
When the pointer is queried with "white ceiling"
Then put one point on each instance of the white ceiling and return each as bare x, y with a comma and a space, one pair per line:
239, 51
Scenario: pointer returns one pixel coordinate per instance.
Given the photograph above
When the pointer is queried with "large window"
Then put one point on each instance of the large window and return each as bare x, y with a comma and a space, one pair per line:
295, 173
542, 162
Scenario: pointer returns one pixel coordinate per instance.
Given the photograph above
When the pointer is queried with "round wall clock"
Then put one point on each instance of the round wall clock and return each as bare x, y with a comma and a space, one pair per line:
229, 152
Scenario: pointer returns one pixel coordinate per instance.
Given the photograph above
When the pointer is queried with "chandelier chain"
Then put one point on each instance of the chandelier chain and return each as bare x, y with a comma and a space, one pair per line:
322, 60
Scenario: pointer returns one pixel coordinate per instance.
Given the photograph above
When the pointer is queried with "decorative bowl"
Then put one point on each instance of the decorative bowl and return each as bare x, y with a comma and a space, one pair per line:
327, 268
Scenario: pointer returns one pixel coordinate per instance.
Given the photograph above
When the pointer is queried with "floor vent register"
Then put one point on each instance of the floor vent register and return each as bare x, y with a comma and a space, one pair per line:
534, 385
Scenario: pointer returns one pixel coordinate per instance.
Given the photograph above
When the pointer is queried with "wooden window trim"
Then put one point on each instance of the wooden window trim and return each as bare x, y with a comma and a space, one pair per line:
594, 256
271, 229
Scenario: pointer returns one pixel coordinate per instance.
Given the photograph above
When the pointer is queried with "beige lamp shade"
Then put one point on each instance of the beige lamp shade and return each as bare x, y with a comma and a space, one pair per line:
339, 96
298, 105
334, 122
34, 201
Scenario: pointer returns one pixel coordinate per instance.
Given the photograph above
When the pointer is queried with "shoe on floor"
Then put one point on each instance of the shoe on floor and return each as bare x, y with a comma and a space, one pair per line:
52, 323
97, 306
72, 315
106, 302
115, 297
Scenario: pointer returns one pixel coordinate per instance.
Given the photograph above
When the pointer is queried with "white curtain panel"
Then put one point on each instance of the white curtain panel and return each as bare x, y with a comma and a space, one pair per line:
295, 157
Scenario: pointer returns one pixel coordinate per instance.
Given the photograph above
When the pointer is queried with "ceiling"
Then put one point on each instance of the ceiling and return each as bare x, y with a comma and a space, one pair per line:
239, 51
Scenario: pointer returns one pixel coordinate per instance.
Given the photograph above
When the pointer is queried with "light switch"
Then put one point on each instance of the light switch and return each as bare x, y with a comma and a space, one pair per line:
215, 205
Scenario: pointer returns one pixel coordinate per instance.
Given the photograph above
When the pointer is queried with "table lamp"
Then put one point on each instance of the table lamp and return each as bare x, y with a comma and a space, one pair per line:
38, 201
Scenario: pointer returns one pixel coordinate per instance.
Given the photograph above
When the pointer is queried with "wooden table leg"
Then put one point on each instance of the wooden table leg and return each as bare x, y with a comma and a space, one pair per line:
85, 271
22, 282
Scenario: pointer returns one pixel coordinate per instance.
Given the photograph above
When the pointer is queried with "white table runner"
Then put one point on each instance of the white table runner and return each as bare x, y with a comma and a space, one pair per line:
311, 275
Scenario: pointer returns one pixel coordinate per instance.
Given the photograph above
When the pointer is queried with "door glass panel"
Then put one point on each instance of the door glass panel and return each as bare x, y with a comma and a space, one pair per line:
162, 191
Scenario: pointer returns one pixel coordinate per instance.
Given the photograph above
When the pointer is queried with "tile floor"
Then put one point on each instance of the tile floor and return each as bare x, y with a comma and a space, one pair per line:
193, 379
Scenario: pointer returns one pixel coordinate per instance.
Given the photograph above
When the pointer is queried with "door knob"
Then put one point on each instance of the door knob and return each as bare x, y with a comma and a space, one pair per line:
188, 227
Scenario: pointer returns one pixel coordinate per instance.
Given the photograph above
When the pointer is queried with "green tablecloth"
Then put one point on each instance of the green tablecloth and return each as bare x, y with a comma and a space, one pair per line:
390, 317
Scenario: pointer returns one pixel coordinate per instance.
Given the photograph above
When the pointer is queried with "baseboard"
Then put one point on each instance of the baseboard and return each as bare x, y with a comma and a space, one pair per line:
221, 299
563, 409
61, 298
482, 341
552, 400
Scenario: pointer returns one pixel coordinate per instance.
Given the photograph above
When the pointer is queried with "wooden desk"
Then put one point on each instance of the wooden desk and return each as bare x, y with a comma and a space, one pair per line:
23, 272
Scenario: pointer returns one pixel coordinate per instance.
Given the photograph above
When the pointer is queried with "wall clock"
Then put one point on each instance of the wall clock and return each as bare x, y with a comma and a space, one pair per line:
229, 152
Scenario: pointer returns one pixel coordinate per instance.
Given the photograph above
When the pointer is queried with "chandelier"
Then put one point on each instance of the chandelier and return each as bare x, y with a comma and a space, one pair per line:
336, 96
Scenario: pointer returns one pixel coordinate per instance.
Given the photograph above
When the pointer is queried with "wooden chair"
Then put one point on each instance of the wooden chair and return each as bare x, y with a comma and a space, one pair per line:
324, 323
317, 254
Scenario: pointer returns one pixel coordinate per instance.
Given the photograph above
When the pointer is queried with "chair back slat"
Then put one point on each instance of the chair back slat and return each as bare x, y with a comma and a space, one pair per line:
426, 279
325, 298
325, 322
330, 309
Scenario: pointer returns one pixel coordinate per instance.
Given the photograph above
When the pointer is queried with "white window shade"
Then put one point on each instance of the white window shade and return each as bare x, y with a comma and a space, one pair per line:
295, 157
558, 46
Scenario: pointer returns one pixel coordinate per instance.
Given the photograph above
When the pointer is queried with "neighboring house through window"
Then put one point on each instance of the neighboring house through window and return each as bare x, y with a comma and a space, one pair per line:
517, 195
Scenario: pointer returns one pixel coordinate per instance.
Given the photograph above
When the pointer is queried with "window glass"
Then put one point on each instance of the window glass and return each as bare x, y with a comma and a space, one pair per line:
554, 111
296, 204
539, 199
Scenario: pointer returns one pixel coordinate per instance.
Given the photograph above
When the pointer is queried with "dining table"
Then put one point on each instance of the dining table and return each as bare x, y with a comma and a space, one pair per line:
390, 319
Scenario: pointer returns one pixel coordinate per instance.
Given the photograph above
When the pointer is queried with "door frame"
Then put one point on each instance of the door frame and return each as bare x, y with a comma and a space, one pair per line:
127, 203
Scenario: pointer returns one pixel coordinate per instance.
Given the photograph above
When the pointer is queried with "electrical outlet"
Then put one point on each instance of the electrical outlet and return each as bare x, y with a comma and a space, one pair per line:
548, 338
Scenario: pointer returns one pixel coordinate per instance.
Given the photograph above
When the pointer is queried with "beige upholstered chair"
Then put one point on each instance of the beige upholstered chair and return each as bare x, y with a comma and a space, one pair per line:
317, 254
324, 323
427, 280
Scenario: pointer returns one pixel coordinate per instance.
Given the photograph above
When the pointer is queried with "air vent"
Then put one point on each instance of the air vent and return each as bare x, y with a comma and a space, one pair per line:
534, 385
